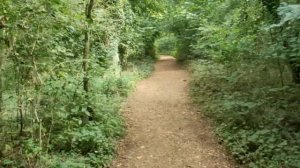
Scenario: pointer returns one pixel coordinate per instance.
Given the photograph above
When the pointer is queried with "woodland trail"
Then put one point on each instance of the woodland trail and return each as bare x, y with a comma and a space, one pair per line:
164, 130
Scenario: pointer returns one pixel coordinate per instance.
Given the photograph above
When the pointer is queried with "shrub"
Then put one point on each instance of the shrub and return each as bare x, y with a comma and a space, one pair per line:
259, 124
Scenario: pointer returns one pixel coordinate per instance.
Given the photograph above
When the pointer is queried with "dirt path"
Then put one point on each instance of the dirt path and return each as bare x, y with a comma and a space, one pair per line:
164, 130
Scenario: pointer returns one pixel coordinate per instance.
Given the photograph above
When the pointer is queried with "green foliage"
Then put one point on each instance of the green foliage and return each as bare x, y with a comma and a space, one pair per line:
258, 122
92, 139
116, 86
143, 68
286, 47
64, 70
94, 143
61, 84
248, 78
167, 45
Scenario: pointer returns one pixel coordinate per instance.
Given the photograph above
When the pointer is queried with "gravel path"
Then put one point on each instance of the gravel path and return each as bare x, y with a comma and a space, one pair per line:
163, 128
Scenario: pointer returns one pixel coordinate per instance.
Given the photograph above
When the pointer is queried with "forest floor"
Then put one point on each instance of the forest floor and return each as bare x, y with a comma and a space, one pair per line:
164, 129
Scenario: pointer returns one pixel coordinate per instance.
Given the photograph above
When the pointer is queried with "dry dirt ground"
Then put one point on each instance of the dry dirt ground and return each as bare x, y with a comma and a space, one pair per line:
164, 130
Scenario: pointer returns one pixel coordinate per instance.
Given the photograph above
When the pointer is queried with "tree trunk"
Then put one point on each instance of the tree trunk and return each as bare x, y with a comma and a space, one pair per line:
1, 81
85, 65
2, 58
86, 55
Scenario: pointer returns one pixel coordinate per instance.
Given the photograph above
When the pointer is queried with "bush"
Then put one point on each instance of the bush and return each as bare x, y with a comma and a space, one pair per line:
117, 86
167, 45
258, 123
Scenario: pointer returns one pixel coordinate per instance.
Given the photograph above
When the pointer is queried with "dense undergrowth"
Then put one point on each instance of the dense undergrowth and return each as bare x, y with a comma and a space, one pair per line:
258, 123
71, 143
65, 68
245, 64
